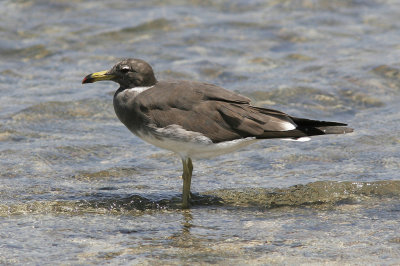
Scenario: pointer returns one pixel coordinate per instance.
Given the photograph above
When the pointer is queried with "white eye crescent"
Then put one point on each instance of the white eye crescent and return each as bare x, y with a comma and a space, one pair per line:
125, 69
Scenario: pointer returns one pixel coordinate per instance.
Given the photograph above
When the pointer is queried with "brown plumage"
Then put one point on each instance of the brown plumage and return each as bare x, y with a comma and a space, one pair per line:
195, 119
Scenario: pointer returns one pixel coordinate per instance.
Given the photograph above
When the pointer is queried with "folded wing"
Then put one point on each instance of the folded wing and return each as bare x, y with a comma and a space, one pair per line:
222, 115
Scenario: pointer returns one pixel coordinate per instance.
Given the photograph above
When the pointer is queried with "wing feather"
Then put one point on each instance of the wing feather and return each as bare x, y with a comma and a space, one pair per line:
218, 114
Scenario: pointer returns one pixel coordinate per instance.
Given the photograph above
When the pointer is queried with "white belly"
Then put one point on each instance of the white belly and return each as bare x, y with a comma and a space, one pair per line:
195, 148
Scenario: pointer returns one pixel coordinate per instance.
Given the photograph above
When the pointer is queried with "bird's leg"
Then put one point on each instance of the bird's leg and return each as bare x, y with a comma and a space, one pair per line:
187, 178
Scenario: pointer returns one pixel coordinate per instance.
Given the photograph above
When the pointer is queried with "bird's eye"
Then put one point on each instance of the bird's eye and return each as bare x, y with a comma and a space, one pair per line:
125, 69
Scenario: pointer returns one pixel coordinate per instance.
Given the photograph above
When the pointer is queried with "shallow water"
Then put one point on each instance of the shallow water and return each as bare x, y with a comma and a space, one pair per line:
77, 188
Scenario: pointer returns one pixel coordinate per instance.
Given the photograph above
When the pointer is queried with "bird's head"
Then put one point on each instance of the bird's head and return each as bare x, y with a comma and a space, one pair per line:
129, 73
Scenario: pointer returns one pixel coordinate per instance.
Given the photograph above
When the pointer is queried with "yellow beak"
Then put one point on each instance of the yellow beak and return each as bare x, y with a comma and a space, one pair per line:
98, 76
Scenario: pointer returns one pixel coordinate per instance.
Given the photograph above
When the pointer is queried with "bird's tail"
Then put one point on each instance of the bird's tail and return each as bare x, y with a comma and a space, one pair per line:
307, 128
326, 127
336, 129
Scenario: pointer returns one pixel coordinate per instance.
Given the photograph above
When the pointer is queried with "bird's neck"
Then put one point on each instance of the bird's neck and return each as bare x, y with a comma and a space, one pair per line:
127, 110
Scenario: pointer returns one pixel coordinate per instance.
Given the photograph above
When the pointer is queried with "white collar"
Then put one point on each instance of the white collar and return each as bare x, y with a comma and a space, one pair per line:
140, 89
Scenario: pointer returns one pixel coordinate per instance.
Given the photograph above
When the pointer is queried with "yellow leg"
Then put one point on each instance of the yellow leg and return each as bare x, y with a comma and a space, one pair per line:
187, 178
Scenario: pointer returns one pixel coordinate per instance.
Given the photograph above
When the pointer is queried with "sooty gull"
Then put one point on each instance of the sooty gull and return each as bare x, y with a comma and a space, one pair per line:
195, 119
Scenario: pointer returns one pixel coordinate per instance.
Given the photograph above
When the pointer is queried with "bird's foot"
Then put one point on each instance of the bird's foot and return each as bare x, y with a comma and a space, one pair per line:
189, 202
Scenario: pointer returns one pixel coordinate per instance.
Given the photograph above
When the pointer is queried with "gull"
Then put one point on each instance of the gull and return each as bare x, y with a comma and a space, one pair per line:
198, 120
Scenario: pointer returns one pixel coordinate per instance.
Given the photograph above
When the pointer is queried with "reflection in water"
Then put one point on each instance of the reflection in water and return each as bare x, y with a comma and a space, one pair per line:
183, 238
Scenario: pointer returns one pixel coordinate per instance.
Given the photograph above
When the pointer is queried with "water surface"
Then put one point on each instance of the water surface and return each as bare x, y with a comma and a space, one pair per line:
78, 188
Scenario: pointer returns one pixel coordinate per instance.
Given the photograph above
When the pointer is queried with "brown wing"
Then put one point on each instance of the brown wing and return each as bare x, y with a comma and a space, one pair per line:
219, 114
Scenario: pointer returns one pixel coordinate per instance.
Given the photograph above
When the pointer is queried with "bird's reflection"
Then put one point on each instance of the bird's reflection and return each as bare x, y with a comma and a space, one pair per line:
183, 238
187, 222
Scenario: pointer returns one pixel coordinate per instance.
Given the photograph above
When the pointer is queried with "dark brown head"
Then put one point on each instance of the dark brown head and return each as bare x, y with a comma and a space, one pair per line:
129, 73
